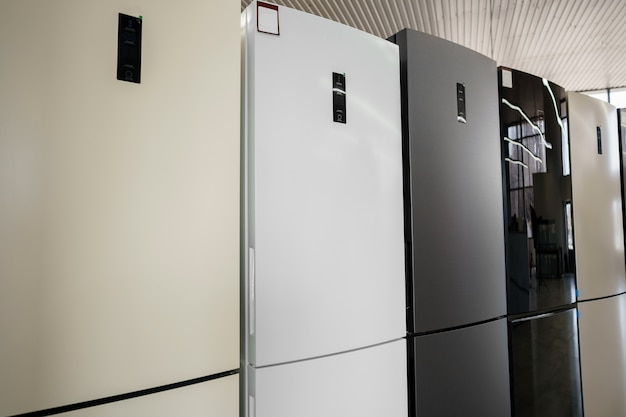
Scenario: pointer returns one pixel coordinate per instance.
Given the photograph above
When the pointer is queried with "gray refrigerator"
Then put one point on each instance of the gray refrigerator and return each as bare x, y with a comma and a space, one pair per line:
456, 294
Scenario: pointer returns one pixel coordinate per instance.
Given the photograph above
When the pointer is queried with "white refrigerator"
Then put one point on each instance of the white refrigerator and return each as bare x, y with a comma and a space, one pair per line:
597, 197
323, 284
598, 230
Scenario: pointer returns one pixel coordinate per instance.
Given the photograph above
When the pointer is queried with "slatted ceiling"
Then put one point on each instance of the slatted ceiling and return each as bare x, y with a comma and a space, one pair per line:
547, 41
443, 15
409, 14
394, 13
579, 44
483, 42
355, 17
503, 25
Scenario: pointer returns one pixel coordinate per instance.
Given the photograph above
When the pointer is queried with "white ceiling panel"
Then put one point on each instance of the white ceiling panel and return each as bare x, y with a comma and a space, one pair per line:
579, 44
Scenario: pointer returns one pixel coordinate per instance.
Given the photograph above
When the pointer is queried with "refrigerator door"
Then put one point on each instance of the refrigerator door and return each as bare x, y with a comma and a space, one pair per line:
596, 183
462, 372
453, 185
538, 193
545, 365
603, 355
213, 398
324, 227
119, 202
366, 383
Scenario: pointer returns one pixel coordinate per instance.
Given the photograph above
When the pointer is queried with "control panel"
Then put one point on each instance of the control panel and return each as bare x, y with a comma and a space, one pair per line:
129, 48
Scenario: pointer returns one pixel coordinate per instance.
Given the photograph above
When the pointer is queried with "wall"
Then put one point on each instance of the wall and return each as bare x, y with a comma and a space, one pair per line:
119, 205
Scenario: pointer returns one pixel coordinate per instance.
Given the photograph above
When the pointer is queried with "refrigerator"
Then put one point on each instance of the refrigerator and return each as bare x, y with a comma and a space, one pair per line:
598, 226
596, 176
540, 246
456, 301
323, 288
119, 209
603, 355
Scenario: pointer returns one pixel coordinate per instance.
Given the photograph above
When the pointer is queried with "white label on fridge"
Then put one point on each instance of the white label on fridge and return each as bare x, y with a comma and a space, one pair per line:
507, 78
267, 18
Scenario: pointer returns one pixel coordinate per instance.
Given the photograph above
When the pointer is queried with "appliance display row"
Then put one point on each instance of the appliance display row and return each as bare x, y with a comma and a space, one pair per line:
412, 208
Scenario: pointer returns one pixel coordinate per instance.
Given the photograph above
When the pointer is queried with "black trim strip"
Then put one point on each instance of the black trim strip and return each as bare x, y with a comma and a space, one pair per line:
400, 39
621, 167
448, 329
601, 298
127, 396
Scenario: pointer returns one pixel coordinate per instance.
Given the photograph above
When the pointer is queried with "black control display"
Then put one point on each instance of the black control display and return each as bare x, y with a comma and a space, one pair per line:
599, 137
339, 97
129, 48
460, 103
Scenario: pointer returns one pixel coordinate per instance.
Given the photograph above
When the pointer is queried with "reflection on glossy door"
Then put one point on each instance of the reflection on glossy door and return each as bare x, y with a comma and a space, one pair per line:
536, 170
546, 365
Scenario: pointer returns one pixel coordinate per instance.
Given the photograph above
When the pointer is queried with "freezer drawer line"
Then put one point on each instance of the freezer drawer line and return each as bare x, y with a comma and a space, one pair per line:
449, 329
601, 298
544, 312
544, 315
127, 396
329, 355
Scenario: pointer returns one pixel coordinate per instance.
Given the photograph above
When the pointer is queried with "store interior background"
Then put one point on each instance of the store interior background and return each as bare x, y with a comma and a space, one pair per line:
112, 195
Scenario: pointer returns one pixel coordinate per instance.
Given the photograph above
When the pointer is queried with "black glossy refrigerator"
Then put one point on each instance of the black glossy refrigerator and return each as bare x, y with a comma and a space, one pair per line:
540, 247
456, 300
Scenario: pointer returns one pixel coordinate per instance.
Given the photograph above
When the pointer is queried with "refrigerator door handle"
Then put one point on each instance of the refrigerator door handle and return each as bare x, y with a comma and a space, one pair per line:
251, 406
251, 292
